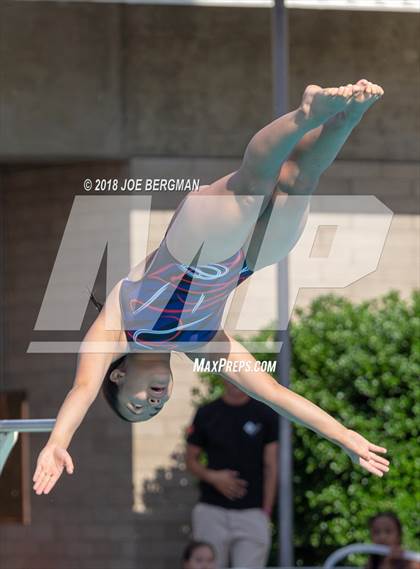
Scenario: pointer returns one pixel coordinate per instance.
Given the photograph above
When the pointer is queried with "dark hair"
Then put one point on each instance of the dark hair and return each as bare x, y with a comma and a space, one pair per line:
390, 515
193, 546
96, 303
110, 389
375, 560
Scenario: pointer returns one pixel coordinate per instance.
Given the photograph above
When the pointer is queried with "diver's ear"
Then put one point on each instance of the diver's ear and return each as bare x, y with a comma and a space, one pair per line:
117, 375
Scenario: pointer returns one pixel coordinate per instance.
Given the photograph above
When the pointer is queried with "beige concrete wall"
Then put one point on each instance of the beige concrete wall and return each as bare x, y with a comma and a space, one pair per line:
60, 91
100, 80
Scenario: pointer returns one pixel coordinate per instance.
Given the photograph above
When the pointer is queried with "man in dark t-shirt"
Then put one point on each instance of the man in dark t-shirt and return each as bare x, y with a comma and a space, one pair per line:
238, 485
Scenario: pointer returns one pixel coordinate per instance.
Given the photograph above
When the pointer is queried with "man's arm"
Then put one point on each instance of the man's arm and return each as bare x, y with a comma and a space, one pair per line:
192, 459
225, 481
270, 477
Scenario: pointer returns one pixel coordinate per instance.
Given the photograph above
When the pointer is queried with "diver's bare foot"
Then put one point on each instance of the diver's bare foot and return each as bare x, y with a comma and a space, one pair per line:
318, 104
368, 94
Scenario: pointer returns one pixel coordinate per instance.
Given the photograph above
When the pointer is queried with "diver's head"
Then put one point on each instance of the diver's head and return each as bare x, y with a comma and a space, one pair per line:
232, 395
137, 386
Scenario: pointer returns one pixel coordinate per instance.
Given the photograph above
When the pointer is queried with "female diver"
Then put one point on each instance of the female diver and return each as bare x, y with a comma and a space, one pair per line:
174, 299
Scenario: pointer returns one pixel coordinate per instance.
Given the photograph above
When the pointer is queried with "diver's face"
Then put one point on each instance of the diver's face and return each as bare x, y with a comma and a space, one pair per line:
145, 385
202, 558
384, 531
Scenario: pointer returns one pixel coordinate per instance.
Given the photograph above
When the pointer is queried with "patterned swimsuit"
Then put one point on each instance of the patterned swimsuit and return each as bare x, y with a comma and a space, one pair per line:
175, 306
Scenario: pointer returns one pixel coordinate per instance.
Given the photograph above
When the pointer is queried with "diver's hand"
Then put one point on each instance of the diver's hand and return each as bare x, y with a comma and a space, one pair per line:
364, 453
50, 465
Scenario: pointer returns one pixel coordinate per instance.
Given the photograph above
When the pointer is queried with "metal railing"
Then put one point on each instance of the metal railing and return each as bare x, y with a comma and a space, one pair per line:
340, 554
368, 548
10, 429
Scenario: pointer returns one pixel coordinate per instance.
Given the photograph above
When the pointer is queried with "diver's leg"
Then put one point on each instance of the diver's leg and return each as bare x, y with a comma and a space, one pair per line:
318, 149
219, 217
283, 221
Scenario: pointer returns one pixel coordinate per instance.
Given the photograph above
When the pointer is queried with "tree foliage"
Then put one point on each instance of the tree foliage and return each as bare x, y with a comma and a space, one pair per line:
361, 363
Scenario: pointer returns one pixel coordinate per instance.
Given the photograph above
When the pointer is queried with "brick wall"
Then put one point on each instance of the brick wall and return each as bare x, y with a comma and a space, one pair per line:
87, 522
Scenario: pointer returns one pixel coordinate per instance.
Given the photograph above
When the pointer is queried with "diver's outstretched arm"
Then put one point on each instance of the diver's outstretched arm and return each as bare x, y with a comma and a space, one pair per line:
99, 348
240, 370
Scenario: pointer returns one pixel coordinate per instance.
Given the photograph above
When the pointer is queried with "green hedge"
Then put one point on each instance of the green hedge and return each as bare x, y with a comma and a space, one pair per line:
361, 363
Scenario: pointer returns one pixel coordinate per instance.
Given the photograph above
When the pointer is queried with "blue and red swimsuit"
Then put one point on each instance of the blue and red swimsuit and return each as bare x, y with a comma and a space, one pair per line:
175, 306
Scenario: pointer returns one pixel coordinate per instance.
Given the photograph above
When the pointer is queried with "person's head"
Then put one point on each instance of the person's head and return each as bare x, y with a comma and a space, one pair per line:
385, 529
137, 386
199, 555
233, 394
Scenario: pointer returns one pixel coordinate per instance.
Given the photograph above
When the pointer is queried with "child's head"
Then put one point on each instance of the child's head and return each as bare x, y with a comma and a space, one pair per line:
385, 529
199, 555
137, 386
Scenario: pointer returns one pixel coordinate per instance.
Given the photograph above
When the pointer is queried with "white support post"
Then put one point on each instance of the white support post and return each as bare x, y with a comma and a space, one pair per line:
7, 442
10, 429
